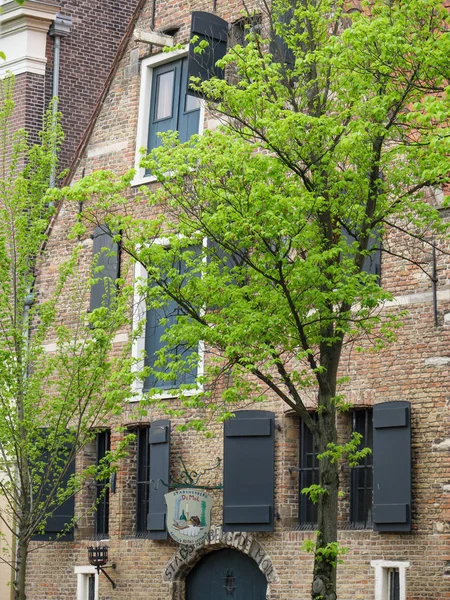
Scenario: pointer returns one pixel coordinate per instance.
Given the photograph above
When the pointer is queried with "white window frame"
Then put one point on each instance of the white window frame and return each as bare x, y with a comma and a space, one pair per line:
382, 568
147, 66
138, 347
83, 574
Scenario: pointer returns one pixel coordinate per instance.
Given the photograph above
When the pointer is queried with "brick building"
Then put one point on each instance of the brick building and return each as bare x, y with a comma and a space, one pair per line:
408, 550
89, 36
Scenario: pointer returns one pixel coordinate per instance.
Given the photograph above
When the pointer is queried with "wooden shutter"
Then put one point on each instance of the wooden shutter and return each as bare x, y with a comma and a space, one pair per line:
188, 110
214, 30
63, 514
159, 440
278, 47
248, 471
372, 263
105, 254
392, 466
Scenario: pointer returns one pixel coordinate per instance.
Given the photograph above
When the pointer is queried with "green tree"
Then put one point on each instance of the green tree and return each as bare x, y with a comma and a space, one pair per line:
340, 141
58, 381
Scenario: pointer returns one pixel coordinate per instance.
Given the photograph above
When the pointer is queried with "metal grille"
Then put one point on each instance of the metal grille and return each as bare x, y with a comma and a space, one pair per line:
91, 587
308, 475
143, 479
394, 584
361, 490
102, 514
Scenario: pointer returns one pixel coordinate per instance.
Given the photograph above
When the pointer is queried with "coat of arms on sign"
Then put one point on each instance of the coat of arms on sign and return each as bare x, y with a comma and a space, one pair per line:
188, 515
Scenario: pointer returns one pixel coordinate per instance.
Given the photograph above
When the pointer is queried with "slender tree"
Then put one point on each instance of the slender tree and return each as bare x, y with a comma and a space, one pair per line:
58, 381
335, 133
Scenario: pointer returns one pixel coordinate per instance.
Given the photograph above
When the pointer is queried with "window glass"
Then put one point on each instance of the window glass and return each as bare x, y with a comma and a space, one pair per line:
102, 514
164, 95
362, 475
158, 320
192, 103
143, 479
91, 587
308, 475
394, 584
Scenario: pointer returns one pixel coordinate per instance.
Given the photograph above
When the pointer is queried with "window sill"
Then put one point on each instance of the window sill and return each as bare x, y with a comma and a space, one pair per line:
167, 395
142, 180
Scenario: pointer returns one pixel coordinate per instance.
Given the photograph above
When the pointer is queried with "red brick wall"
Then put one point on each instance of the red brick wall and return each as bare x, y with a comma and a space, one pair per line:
86, 58
29, 105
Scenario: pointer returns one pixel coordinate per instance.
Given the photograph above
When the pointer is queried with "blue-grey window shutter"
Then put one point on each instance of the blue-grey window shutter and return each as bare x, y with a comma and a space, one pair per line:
63, 514
105, 254
188, 110
165, 99
372, 263
158, 320
159, 440
248, 471
392, 466
214, 30
278, 47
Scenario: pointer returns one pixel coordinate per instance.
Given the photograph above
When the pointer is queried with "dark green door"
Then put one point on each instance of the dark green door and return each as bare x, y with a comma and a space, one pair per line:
226, 575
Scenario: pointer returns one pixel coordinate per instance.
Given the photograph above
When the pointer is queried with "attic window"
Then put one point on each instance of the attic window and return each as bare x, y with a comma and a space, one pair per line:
242, 27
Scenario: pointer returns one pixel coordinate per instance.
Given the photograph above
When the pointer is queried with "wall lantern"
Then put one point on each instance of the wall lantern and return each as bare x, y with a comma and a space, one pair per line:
98, 557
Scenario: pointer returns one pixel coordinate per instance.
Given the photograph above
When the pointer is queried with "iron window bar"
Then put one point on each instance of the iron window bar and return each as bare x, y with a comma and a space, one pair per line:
361, 484
308, 471
102, 512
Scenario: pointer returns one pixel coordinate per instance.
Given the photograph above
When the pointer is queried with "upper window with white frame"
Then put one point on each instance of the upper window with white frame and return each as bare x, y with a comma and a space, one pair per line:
164, 105
171, 109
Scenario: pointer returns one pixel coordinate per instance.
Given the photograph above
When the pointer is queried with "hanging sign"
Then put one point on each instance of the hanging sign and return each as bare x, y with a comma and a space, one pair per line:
189, 515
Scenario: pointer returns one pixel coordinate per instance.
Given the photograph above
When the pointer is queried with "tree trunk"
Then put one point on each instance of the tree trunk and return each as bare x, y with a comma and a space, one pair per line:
324, 578
21, 570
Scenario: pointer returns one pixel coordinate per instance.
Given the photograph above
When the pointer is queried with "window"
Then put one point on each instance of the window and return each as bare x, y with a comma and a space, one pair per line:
54, 476
372, 262
87, 583
102, 512
157, 322
171, 109
164, 104
242, 27
390, 579
361, 485
142, 479
105, 254
308, 475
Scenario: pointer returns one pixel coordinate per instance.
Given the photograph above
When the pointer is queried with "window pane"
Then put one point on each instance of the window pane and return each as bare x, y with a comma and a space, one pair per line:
308, 475
143, 479
394, 584
91, 586
102, 514
158, 321
362, 475
164, 95
192, 103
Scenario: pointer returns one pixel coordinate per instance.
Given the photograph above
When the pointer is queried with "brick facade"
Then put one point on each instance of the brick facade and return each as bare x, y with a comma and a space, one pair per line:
415, 368
87, 55
86, 58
